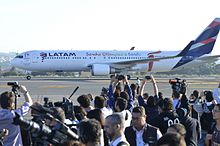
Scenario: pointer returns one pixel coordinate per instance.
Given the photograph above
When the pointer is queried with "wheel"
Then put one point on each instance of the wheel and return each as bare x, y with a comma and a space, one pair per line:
28, 77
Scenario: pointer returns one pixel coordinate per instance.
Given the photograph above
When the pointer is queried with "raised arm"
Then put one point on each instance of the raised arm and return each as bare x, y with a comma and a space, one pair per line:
154, 85
112, 85
130, 100
26, 94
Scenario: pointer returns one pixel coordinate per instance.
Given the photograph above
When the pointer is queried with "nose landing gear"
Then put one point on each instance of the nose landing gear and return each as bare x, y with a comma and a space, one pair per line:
28, 77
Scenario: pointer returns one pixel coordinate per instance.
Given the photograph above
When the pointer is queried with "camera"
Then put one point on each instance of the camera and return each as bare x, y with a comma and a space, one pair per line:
54, 135
121, 77
13, 84
178, 85
148, 77
67, 106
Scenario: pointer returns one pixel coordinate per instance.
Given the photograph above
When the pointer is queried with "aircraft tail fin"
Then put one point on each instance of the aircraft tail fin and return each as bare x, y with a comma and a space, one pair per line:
186, 49
202, 45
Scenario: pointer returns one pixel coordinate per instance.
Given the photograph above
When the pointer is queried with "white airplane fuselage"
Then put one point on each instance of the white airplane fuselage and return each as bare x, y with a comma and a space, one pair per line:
74, 60
104, 62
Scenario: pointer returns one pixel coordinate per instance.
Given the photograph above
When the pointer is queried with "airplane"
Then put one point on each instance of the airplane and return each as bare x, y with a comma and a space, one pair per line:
105, 62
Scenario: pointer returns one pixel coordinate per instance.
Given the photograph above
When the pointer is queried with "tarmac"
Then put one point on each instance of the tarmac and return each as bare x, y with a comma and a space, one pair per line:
57, 88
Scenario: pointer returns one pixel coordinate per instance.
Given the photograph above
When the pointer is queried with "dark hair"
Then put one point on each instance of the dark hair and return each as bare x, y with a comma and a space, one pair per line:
196, 93
99, 102
124, 95
151, 102
6, 100
133, 89
209, 96
167, 104
121, 103
89, 131
58, 113
96, 114
133, 86
183, 112
145, 95
84, 101
160, 94
171, 139
184, 102
80, 113
139, 109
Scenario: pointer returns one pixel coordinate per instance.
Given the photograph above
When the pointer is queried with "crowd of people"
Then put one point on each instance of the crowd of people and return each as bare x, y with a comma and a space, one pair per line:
124, 114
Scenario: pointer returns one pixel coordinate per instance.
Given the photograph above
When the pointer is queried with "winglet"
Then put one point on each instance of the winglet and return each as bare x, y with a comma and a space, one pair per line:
202, 45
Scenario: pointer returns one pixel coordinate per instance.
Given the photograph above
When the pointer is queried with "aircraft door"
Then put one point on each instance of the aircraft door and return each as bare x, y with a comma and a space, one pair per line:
35, 58
27, 59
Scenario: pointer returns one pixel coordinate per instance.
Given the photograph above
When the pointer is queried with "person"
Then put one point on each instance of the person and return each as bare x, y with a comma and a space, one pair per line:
89, 131
85, 102
7, 113
171, 139
141, 133
146, 95
99, 116
192, 126
206, 118
177, 128
80, 113
120, 107
114, 127
58, 113
99, 103
216, 94
167, 117
115, 92
213, 136
196, 105
149, 104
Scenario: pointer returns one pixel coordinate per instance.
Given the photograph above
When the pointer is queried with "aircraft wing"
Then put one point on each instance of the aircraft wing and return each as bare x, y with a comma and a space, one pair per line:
133, 62
209, 58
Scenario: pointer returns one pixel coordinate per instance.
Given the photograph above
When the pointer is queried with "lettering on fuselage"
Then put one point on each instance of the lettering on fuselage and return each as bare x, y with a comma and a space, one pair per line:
56, 54
60, 54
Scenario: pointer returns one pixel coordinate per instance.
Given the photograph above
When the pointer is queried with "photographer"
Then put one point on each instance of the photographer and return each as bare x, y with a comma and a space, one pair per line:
115, 91
167, 117
149, 104
179, 88
7, 113
192, 126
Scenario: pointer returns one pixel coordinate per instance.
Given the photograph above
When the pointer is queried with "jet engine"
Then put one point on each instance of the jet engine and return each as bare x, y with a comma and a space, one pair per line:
101, 69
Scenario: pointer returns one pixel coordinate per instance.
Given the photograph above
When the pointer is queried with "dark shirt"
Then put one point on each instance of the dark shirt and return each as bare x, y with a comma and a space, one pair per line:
165, 120
151, 111
216, 137
193, 130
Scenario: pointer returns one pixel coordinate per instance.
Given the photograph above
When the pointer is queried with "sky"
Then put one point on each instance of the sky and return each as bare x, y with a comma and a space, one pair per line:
103, 24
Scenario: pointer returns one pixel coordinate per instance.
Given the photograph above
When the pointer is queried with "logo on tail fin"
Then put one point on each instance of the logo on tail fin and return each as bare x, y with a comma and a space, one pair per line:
203, 44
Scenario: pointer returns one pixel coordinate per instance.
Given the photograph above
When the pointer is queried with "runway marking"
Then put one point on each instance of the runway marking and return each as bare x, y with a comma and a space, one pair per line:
203, 83
4, 86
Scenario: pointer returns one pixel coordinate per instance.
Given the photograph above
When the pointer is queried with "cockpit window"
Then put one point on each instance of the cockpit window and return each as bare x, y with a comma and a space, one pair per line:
19, 56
